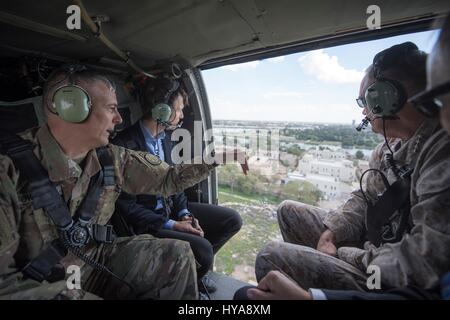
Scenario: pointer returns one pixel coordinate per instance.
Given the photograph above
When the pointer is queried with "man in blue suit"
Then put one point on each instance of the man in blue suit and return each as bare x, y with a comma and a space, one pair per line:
206, 227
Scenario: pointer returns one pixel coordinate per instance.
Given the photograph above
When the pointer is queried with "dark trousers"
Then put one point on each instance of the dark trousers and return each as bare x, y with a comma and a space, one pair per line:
219, 225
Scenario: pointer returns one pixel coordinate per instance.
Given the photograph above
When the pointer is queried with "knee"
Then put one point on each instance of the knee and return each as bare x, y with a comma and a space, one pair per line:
288, 208
268, 250
265, 259
232, 220
284, 208
235, 221
286, 205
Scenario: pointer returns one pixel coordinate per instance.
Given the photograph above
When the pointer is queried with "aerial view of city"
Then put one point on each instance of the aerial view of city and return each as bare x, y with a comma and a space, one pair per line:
317, 164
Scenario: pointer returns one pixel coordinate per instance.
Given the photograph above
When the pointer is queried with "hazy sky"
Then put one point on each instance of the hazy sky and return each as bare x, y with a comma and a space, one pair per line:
315, 86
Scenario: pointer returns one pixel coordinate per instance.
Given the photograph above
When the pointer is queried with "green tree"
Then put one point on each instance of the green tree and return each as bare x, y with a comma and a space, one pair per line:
227, 176
284, 163
296, 150
359, 155
247, 184
302, 191
344, 134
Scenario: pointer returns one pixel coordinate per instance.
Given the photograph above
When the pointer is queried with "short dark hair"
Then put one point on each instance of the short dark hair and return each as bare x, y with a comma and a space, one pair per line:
403, 62
161, 90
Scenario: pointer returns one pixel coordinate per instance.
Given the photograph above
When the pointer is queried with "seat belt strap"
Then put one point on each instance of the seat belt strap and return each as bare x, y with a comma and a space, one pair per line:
41, 267
43, 192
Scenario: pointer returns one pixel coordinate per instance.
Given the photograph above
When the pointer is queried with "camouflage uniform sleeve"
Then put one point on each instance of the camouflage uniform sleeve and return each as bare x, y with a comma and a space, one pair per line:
9, 215
348, 222
422, 256
143, 172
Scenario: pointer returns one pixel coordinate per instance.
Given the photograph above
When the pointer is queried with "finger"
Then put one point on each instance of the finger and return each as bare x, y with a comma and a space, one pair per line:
195, 231
264, 284
330, 247
197, 225
332, 252
257, 294
201, 232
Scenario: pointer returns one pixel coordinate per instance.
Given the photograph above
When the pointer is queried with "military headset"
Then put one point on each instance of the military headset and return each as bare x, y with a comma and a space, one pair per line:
386, 97
161, 110
70, 101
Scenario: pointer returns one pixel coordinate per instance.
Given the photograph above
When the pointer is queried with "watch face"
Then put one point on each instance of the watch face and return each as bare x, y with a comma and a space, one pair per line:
79, 235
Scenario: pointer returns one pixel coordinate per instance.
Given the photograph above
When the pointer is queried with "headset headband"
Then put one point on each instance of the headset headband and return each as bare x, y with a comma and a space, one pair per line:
71, 69
173, 87
391, 56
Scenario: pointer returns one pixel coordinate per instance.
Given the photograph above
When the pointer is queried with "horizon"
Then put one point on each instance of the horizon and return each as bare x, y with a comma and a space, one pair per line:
285, 121
314, 87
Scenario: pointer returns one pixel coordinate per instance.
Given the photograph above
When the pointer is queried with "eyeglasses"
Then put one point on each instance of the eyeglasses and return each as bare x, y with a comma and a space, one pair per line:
428, 102
361, 101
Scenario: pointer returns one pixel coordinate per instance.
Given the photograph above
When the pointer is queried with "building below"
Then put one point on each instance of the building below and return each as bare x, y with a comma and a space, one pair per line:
329, 171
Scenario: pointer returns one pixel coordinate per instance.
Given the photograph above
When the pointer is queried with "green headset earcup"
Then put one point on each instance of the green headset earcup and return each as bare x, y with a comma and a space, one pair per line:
162, 112
385, 97
72, 103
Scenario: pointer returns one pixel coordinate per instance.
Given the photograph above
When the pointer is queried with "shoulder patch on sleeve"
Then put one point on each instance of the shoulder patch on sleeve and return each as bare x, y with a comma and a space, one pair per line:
147, 158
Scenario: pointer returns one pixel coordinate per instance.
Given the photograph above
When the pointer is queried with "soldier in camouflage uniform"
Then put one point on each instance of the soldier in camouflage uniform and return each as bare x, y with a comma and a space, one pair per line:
343, 256
155, 268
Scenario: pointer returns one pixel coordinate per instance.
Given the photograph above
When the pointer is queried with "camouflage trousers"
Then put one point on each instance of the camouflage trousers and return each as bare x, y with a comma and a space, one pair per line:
301, 226
155, 268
